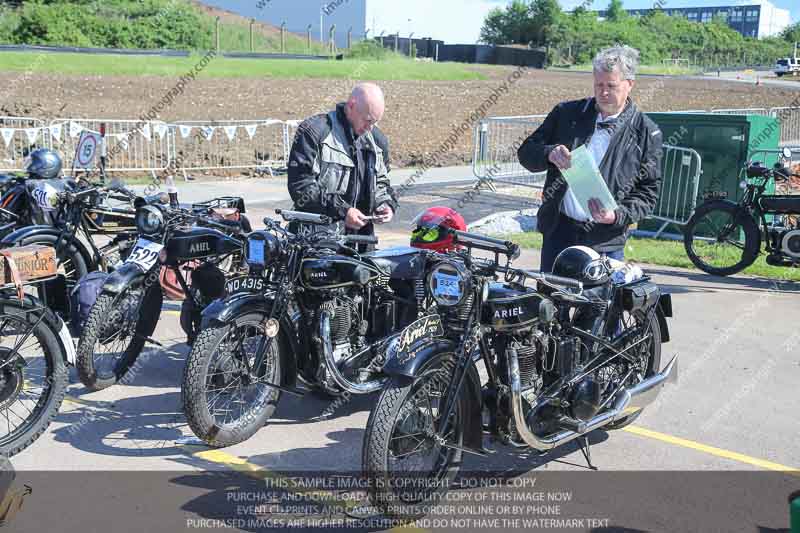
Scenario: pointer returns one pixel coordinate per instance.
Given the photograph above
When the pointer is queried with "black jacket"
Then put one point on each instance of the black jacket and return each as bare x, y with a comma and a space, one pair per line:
330, 171
631, 168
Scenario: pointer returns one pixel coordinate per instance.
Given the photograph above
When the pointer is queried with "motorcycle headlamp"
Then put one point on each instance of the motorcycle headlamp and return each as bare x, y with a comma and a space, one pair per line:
449, 283
149, 220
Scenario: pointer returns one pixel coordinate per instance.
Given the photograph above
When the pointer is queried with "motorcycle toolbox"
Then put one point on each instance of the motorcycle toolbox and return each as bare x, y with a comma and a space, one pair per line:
640, 295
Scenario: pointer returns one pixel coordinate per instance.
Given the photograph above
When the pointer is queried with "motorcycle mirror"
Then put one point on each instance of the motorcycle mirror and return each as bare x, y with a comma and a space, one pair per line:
787, 152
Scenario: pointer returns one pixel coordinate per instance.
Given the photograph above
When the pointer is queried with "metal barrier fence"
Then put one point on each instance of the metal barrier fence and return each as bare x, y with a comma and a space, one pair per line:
131, 145
680, 170
230, 144
20, 136
495, 146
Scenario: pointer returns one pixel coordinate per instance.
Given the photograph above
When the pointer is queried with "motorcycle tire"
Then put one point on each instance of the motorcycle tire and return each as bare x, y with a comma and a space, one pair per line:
93, 332
379, 437
198, 379
722, 211
653, 364
55, 375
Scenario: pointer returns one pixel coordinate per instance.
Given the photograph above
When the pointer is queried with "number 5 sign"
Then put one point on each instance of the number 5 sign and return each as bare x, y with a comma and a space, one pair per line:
87, 147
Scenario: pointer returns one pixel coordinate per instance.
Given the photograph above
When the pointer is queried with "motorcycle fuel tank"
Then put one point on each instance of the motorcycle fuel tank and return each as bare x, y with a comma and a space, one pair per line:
197, 243
509, 307
335, 271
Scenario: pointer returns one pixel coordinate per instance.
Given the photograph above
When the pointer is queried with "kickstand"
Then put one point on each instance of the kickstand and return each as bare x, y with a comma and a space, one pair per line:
583, 442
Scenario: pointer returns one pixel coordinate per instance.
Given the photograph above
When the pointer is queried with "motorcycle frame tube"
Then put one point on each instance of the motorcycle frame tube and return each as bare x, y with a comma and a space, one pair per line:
333, 370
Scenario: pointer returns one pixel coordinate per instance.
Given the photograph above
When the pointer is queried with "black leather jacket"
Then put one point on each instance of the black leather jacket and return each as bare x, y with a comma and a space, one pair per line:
330, 171
631, 168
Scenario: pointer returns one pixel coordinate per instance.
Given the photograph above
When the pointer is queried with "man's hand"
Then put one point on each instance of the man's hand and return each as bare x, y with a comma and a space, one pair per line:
385, 213
601, 214
355, 219
561, 157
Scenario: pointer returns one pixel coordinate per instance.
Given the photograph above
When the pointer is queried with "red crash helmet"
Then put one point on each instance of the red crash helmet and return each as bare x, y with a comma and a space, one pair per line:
430, 229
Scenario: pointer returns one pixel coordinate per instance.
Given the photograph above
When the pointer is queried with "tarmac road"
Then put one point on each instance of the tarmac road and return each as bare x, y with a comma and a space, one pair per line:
734, 408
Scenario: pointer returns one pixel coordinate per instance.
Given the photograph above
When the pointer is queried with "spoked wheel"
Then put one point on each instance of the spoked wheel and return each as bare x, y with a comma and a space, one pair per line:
33, 377
719, 239
408, 467
115, 333
645, 346
226, 399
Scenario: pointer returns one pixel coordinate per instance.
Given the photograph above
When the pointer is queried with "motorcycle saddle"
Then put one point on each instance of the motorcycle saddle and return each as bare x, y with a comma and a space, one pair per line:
787, 204
402, 262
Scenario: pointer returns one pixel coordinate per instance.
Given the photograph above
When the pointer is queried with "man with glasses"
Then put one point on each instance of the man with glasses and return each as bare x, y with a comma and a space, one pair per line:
625, 144
339, 164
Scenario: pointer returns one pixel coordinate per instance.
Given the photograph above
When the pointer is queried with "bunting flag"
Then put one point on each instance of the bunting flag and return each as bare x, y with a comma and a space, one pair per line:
230, 131
55, 131
7, 133
272, 121
146, 131
33, 134
208, 131
75, 129
161, 130
251, 129
185, 131
123, 140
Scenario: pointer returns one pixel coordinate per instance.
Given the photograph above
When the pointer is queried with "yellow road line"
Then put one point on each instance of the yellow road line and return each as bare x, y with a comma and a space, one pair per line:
242, 465
719, 452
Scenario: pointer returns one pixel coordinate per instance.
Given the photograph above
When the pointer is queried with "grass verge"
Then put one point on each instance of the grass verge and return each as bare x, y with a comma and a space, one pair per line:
666, 253
223, 67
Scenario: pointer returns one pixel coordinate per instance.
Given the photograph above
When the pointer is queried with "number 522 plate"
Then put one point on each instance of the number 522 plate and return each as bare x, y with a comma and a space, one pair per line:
244, 284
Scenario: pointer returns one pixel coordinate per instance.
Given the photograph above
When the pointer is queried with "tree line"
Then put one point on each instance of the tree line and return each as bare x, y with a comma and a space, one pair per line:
574, 37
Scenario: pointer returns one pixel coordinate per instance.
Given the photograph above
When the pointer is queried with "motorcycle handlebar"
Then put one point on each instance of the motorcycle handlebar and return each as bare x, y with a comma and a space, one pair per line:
365, 239
486, 243
301, 216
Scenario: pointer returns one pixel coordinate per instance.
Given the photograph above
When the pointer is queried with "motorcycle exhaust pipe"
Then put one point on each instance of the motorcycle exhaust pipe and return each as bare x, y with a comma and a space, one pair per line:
626, 402
330, 364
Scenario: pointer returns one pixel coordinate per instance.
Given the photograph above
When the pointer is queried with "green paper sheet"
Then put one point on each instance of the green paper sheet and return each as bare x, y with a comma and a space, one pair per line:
586, 182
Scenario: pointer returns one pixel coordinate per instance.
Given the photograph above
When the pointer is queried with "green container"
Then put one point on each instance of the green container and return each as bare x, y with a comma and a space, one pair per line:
794, 512
725, 143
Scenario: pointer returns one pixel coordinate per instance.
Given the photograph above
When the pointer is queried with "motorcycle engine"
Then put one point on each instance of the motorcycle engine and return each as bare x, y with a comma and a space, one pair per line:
346, 324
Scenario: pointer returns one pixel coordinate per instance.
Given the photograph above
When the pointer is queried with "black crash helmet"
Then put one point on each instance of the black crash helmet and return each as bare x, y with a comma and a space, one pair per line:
43, 163
583, 264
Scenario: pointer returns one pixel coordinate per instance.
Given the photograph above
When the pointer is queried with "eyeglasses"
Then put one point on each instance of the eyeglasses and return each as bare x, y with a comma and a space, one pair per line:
425, 234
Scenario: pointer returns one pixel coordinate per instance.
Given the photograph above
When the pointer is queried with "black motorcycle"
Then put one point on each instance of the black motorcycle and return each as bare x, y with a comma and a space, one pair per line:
312, 308
723, 237
35, 351
127, 310
77, 220
573, 355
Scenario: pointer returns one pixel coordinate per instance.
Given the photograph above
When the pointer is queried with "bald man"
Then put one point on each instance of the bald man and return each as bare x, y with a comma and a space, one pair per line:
339, 164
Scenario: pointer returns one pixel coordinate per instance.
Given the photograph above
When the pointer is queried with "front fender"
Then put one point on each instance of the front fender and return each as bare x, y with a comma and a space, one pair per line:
405, 365
126, 276
224, 310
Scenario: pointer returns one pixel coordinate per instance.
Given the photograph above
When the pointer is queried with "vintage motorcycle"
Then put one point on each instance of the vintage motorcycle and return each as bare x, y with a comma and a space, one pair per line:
35, 350
723, 237
125, 314
313, 308
578, 353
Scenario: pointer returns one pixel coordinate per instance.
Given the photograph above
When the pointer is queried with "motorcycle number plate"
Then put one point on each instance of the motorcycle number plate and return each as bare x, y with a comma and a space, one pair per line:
144, 254
46, 196
244, 284
447, 285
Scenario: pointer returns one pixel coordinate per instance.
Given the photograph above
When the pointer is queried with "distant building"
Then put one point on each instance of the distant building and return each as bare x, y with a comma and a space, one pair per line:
757, 20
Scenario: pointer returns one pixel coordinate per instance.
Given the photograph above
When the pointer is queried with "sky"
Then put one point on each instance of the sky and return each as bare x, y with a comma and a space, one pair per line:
460, 21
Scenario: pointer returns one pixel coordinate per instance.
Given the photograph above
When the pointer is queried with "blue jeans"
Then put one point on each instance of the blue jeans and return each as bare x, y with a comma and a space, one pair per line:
564, 236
